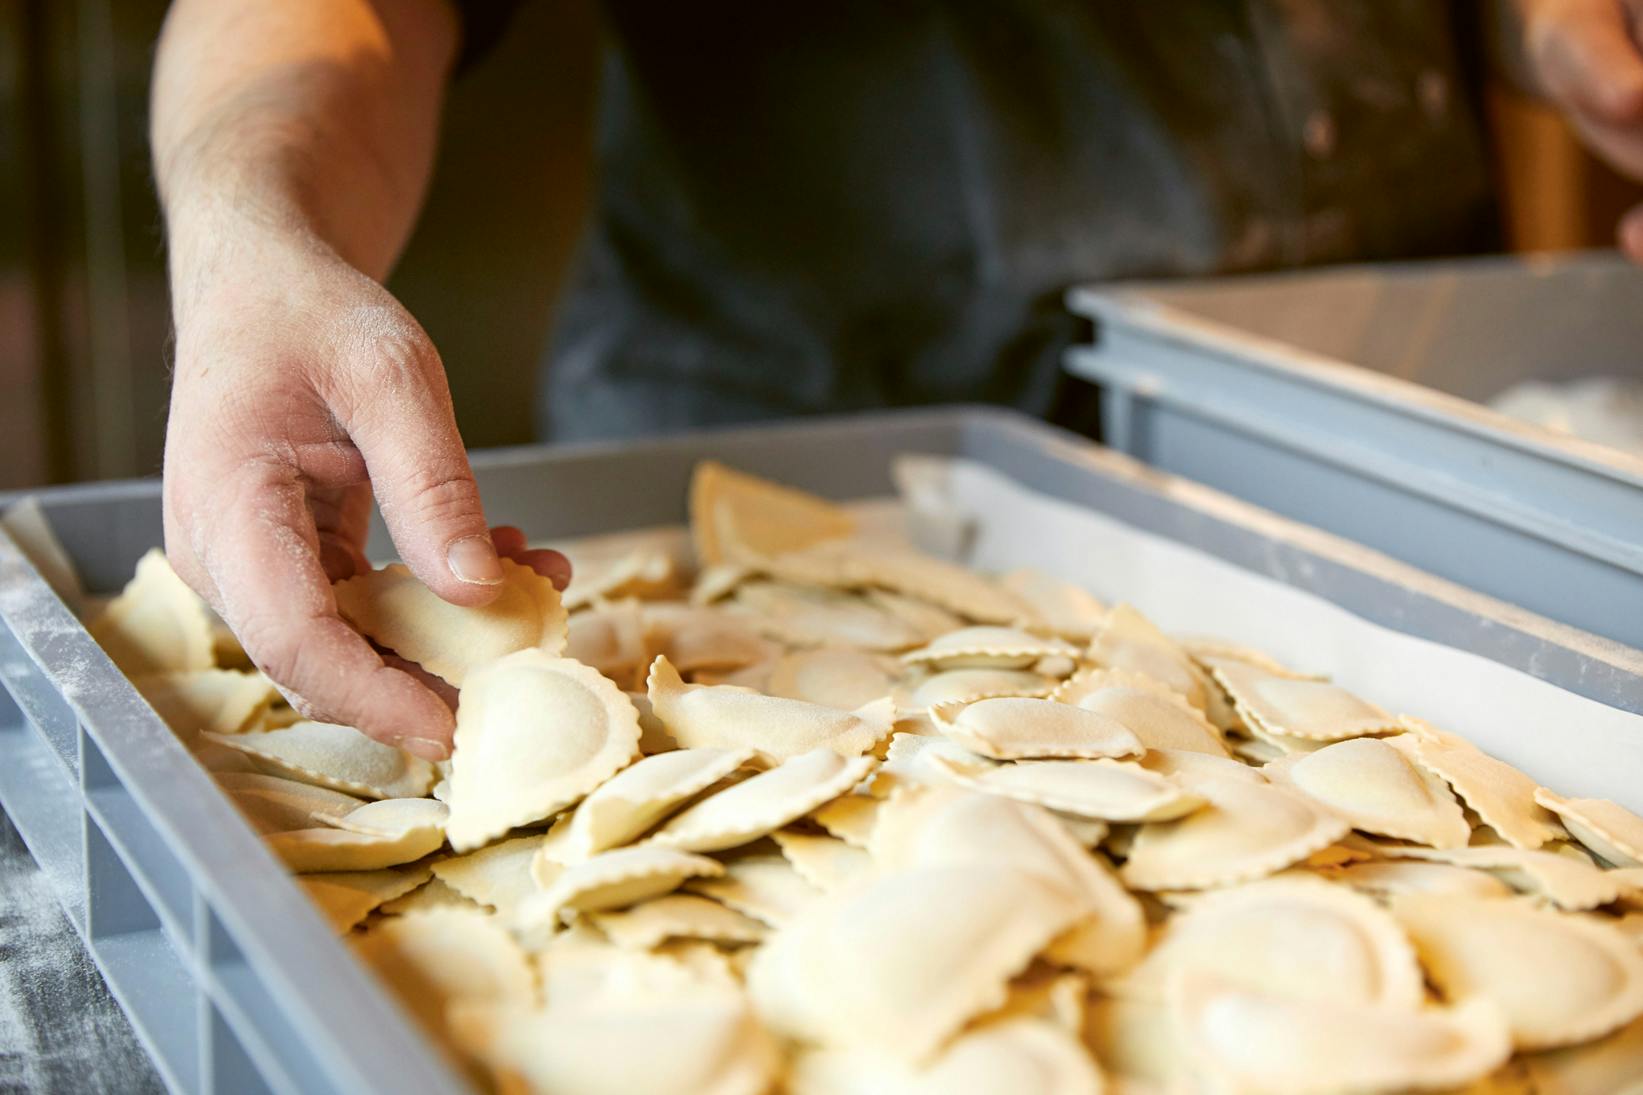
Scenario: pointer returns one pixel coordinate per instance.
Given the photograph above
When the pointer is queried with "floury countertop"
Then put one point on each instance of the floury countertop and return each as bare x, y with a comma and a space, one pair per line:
60, 1030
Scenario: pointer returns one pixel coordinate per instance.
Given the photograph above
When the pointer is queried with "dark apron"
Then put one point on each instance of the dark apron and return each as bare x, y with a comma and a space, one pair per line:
830, 207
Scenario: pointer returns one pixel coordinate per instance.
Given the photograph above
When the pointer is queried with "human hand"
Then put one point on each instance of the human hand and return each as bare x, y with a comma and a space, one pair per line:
1585, 55
509, 541
301, 385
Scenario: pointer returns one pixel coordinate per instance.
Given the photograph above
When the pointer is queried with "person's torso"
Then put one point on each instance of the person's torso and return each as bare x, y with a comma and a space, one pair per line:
875, 203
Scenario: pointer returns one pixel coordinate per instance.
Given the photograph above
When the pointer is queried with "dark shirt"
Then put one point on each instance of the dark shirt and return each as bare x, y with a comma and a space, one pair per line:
870, 203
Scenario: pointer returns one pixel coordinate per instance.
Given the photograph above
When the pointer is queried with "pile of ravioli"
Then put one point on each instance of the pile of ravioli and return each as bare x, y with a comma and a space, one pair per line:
815, 812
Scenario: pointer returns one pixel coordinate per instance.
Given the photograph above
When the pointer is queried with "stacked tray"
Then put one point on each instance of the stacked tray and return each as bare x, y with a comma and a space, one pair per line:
1352, 399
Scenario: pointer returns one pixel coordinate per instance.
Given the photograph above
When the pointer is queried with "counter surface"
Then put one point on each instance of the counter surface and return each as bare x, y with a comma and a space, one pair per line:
60, 1030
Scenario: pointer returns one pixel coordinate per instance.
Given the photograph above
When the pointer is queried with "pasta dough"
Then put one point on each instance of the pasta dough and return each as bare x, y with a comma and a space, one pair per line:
881, 823
534, 734
407, 617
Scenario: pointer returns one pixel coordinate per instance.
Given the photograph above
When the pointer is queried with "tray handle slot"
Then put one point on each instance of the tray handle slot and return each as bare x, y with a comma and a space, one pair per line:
43, 803
226, 1066
143, 854
248, 1015
142, 966
36, 699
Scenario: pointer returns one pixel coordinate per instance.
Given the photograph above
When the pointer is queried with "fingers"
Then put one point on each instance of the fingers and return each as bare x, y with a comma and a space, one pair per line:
264, 561
1588, 59
446, 691
339, 559
548, 563
508, 540
1631, 234
553, 566
340, 518
396, 407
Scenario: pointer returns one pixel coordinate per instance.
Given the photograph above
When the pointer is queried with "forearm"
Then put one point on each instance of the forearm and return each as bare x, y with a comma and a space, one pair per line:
311, 119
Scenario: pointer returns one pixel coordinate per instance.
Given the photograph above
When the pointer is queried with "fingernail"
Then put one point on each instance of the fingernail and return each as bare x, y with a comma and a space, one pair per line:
426, 748
473, 560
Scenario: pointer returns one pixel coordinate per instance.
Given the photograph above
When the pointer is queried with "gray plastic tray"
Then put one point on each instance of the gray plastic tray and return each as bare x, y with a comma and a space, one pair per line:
233, 980
1351, 399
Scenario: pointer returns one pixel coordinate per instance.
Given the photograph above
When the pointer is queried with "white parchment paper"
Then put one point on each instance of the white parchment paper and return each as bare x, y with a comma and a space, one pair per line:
1571, 744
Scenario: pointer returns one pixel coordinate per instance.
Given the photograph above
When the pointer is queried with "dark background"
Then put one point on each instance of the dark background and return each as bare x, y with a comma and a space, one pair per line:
83, 313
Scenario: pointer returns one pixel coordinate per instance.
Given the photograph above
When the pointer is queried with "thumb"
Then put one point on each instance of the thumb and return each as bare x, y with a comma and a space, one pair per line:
1589, 59
398, 413
1631, 234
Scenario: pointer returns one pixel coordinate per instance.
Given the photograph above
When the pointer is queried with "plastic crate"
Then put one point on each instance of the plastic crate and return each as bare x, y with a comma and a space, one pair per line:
233, 980
1351, 399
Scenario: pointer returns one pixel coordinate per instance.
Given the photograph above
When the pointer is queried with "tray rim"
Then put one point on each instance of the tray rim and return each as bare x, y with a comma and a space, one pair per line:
281, 932
1133, 307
